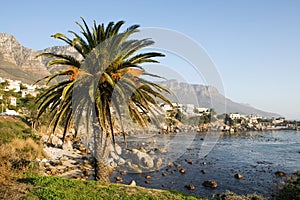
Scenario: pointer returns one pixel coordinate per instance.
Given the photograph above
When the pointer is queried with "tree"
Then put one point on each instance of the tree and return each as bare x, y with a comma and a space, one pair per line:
109, 74
228, 120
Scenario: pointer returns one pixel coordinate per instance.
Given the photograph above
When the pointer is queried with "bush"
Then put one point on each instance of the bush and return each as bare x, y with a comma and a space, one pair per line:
291, 189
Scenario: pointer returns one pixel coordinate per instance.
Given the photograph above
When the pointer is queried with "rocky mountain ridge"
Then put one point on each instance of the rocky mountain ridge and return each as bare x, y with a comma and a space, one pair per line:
20, 63
209, 97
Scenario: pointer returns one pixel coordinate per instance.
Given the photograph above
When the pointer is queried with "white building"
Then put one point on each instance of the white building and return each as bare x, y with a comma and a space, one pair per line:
13, 85
235, 116
13, 101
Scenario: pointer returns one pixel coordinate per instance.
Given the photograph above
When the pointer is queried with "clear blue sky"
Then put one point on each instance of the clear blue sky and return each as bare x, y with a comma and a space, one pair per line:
254, 44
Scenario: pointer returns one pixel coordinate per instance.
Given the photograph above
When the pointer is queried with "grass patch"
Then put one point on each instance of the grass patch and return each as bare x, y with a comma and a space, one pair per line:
228, 195
12, 128
291, 190
62, 188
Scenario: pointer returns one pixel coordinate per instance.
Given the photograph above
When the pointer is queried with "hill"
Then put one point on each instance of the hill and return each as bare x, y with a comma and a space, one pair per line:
209, 97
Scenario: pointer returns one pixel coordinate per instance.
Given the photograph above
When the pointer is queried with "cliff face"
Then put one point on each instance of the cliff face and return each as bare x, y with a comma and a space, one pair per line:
208, 97
19, 62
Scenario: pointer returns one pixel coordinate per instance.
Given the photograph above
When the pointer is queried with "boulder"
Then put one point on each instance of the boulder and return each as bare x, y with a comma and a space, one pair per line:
55, 141
190, 187
189, 161
158, 162
67, 146
238, 176
280, 173
119, 179
132, 183
210, 184
147, 177
142, 159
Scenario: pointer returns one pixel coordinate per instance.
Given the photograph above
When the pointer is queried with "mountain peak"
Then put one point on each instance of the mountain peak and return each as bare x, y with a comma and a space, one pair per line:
18, 62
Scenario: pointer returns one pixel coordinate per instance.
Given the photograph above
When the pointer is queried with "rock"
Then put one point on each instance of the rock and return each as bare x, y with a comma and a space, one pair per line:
145, 159
132, 183
177, 165
67, 146
81, 147
158, 162
190, 187
63, 159
121, 161
238, 176
151, 152
53, 170
86, 173
203, 171
182, 170
142, 149
164, 174
55, 141
119, 179
280, 173
189, 161
118, 149
147, 182
114, 155
163, 150
170, 164
210, 184
56, 162
135, 168
113, 164
123, 172
148, 176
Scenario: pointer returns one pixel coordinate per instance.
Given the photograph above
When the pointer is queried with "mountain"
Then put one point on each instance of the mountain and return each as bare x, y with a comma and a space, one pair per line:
20, 63
208, 97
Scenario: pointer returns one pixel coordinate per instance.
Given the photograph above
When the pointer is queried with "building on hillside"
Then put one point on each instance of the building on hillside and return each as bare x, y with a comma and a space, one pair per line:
254, 118
278, 120
10, 113
235, 116
28, 92
13, 85
13, 100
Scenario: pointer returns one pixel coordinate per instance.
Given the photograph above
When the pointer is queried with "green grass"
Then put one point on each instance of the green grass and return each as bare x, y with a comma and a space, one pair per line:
291, 190
62, 188
10, 130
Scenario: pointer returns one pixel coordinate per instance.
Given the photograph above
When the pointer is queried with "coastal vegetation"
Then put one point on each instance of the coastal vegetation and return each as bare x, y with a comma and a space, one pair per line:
21, 176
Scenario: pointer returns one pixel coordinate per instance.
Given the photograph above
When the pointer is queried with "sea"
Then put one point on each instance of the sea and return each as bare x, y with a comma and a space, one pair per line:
219, 157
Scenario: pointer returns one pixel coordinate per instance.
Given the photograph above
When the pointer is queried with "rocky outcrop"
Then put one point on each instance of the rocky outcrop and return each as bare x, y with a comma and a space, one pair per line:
18, 62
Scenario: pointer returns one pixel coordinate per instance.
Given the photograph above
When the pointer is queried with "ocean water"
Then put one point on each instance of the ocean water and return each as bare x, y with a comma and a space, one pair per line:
256, 155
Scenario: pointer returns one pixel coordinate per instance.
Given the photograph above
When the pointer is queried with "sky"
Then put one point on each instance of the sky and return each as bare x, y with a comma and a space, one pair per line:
254, 45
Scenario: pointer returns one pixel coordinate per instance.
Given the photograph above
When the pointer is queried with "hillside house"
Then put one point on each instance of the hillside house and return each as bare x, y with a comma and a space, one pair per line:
13, 100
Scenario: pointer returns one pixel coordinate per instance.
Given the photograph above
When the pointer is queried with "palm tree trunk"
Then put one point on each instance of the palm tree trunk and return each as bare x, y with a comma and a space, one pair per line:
102, 143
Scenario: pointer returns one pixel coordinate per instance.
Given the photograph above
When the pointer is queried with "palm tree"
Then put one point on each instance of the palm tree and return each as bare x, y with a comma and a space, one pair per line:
109, 74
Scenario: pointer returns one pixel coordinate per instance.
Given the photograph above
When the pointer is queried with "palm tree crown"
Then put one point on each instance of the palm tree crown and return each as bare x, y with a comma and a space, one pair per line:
109, 73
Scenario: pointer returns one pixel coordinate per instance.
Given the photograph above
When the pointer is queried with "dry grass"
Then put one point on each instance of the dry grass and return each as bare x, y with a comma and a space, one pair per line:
19, 149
